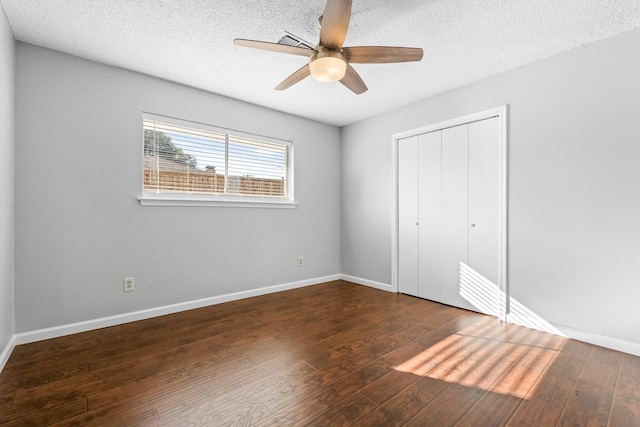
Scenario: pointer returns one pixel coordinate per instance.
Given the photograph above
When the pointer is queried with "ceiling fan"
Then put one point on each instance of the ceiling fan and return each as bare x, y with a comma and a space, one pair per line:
329, 61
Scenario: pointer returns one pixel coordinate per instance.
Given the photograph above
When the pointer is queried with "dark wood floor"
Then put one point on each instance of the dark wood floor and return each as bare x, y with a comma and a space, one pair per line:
326, 355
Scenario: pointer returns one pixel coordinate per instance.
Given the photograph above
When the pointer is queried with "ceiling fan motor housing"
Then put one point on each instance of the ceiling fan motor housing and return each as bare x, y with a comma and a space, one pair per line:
327, 65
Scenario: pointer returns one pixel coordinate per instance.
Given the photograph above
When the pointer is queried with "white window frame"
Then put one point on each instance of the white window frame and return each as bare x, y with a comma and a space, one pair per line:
151, 198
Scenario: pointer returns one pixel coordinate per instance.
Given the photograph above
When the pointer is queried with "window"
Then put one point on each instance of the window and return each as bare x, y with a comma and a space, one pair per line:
187, 163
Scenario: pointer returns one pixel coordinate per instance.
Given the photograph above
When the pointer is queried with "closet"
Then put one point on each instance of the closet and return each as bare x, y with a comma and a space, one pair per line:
449, 216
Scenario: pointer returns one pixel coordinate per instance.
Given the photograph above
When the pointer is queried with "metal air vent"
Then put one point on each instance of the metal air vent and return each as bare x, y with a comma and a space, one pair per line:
291, 40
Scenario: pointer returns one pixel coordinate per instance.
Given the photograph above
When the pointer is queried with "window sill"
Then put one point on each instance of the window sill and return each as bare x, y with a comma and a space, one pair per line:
148, 199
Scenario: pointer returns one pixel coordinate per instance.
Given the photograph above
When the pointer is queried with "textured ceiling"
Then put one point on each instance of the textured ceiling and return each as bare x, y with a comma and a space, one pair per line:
191, 42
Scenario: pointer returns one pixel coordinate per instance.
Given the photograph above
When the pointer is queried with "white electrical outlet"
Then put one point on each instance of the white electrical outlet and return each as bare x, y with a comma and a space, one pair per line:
129, 284
300, 261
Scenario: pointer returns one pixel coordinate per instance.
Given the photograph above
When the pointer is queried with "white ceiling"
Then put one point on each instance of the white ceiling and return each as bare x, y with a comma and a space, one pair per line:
191, 42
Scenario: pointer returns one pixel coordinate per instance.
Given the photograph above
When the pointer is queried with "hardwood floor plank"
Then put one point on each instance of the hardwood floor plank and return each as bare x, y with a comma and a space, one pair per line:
159, 350
545, 402
628, 384
315, 403
35, 377
484, 373
325, 355
400, 408
562, 373
187, 362
250, 414
491, 410
524, 373
448, 407
185, 373
212, 405
304, 386
191, 388
6, 399
414, 359
118, 414
40, 404
461, 364
388, 386
536, 412
624, 413
112, 342
93, 381
343, 413
625, 410
428, 351
348, 362
590, 402
49, 416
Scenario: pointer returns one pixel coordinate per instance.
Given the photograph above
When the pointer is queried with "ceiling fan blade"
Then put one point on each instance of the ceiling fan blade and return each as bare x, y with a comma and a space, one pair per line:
353, 81
335, 22
294, 78
381, 54
274, 47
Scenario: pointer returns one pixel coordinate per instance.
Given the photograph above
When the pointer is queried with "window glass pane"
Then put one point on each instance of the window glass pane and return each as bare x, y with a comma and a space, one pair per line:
188, 159
261, 167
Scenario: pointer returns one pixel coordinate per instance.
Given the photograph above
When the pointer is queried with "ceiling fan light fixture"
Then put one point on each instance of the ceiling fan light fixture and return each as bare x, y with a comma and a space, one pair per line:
327, 65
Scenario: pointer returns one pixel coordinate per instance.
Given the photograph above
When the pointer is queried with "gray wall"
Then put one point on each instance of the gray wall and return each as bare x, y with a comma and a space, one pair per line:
574, 197
80, 230
574, 184
7, 147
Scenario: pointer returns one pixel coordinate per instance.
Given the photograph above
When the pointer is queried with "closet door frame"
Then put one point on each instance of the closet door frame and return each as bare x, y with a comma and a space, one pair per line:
500, 112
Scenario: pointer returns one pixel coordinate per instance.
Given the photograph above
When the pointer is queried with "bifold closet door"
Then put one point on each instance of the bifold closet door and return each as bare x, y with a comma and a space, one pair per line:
430, 215
408, 216
455, 210
449, 216
481, 278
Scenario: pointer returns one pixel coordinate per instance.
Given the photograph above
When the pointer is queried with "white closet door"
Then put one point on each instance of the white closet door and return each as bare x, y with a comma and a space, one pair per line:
430, 231
455, 223
481, 278
408, 216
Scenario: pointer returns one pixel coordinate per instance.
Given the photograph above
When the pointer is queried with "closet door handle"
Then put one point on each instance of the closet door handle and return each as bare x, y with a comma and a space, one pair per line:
472, 224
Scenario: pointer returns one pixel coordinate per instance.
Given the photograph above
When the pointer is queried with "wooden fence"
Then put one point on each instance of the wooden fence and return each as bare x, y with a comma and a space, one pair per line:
197, 181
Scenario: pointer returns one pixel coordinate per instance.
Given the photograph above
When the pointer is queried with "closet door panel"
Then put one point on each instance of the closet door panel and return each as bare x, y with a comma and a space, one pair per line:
484, 213
455, 224
429, 208
408, 216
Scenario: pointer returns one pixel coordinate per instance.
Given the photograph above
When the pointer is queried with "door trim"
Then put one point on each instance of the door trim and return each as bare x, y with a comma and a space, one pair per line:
502, 113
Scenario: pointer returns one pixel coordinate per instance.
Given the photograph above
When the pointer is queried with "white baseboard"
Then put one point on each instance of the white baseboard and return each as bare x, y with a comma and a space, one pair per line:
6, 352
576, 334
600, 340
366, 282
58, 331
74, 328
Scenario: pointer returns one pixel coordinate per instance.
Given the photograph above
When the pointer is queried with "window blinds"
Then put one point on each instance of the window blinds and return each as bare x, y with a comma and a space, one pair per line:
193, 158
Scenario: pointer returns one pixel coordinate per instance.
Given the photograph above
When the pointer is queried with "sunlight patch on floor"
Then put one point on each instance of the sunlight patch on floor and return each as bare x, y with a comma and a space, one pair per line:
498, 366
